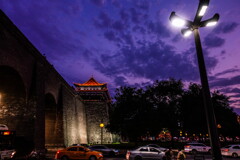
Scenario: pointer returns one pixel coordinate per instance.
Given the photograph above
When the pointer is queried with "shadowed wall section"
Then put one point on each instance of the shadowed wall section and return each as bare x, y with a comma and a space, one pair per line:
50, 120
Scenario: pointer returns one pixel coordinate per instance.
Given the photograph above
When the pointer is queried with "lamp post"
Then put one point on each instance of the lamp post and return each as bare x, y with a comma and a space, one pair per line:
101, 126
193, 26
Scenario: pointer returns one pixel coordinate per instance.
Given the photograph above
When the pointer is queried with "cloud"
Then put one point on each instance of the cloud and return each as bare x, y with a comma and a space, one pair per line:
223, 52
237, 110
221, 82
118, 25
136, 16
110, 35
120, 81
212, 41
155, 60
124, 15
177, 38
210, 62
235, 96
103, 21
142, 4
232, 70
98, 2
226, 27
159, 29
116, 3
235, 90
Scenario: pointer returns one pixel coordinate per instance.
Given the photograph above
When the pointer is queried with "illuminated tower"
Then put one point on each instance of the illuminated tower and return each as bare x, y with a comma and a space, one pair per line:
97, 101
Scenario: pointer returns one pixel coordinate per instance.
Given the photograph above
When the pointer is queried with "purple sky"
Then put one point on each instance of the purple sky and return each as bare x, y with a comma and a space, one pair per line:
131, 42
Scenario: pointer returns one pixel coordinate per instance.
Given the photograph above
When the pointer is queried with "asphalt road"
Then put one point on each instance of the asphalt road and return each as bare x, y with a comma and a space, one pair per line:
189, 157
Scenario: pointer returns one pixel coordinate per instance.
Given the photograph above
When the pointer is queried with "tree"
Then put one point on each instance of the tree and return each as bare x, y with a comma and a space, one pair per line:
225, 116
137, 112
127, 118
165, 97
192, 110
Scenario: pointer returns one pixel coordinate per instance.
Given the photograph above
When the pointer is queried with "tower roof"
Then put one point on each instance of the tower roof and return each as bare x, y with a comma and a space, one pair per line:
90, 82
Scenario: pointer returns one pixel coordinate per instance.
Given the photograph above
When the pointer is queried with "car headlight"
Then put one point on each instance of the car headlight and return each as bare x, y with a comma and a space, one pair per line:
100, 154
115, 150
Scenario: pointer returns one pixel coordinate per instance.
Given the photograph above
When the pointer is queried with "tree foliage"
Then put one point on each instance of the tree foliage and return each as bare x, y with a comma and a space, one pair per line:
166, 104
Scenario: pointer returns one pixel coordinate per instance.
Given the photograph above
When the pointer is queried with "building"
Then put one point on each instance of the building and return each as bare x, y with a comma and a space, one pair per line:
37, 103
95, 97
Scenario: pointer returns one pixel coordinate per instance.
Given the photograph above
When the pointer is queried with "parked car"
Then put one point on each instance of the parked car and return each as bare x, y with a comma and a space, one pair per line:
194, 148
231, 150
157, 146
105, 150
145, 152
78, 152
3, 127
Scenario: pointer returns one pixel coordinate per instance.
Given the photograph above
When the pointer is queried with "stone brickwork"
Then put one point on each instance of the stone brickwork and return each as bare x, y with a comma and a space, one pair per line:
74, 120
97, 112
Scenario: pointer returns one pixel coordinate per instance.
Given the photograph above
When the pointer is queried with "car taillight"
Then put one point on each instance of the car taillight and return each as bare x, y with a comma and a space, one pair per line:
128, 153
187, 146
58, 152
225, 150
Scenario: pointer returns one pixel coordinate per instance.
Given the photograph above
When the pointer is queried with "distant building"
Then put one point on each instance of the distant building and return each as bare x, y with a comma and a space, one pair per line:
96, 99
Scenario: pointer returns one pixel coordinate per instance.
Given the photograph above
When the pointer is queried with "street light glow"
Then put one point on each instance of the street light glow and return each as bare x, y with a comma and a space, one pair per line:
101, 125
212, 23
178, 22
202, 11
186, 32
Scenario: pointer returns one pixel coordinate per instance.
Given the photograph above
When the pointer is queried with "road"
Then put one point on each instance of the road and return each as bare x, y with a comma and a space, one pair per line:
189, 157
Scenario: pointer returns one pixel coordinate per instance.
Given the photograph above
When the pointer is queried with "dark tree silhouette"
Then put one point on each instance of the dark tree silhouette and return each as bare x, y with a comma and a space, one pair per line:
165, 104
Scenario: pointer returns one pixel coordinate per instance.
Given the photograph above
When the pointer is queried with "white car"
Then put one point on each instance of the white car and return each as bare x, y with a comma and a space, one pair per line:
194, 148
3, 127
158, 147
231, 150
144, 153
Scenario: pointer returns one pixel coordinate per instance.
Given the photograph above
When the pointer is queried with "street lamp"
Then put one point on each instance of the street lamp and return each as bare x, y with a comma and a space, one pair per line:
101, 125
192, 27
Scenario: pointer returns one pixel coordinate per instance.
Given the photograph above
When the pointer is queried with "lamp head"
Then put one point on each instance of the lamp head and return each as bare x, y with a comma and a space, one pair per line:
210, 22
186, 32
178, 21
203, 5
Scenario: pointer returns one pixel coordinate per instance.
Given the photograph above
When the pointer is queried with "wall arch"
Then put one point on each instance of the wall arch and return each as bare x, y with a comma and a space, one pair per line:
14, 108
50, 119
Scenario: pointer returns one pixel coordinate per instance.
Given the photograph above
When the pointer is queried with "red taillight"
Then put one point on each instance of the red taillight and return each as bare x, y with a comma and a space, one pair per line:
128, 153
58, 152
6, 133
225, 150
187, 146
